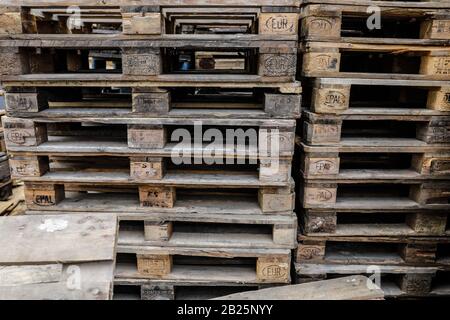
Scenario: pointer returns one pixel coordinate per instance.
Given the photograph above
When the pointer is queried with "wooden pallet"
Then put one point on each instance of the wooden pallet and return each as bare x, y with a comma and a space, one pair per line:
389, 159
270, 18
46, 257
208, 230
204, 265
348, 59
195, 102
337, 22
360, 194
95, 195
331, 222
155, 137
322, 129
170, 60
396, 281
388, 97
367, 250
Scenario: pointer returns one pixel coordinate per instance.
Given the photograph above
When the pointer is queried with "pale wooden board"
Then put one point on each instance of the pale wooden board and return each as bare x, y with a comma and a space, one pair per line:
77, 238
348, 288
95, 282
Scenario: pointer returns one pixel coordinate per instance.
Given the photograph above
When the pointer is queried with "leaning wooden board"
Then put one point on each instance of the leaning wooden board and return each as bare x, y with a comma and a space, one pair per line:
47, 257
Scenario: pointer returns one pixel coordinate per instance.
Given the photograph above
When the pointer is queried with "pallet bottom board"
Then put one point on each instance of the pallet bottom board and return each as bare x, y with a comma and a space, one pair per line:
122, 203
379, 229
189, 273
185, 239
381, 203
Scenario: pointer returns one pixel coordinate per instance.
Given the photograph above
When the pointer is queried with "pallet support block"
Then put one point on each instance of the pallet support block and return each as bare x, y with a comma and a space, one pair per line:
285, 234
416, 284
322, 61
311, 250
160, 197
15, 61
10, 20
319, 222
278, 23
24, 132
25, 100
275, 62
435, 28
435, 131
419, 252
43, 195
275, 170
141, 61
428, 223
431, 193
158, 231
317, 194
316, 164
141, 20
160, 292
273, 269
333, 99
326, 131
432, 164
439, 99
154, 265
146, 136
272, 200
146, 168
437, 63
28, 166
277, 105
273, 141
324, 25
151, 101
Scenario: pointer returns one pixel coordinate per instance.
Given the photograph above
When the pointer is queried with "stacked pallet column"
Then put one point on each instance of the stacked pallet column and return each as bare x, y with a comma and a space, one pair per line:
375, 149
126, 113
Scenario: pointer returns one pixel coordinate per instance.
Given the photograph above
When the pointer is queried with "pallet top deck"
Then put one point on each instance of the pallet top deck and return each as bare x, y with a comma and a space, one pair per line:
106, 3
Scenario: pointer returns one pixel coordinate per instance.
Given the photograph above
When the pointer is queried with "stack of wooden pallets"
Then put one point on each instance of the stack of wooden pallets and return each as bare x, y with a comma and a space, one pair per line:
375, 151
94, 115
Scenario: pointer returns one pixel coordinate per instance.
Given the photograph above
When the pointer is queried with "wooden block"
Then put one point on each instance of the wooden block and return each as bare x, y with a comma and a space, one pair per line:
276, 170
42, 61
322, 133
146, 168
24, 132
419, 252
151, 102
28, 166
25, 102
274, 141
141, 62
42, 195
160, 292
14, 61
319, 222
273, 269
435, 29
439, 99
278, 23
10, 22
323, 62
277, 65
435, 131
332, 99
432, 164
146, 136
285, 235
435, 65
431, 193
416, 284
428, 223
318, 194
310, 251
160, 197
322, 27
279, 105
158, 231
273, 200
154, 265
141, 23
317, 165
